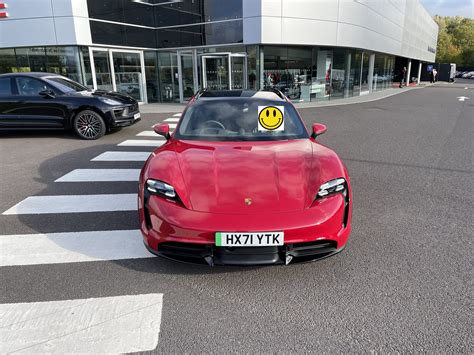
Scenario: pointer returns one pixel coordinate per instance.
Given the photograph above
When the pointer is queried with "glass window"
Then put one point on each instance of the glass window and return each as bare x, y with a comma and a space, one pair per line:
168, 71
252, 67
7, 61
355, 71
64, 61
31, 59
364, 82
151, 74
198, 35
379, 81
288, 69
179, 13
86, 72
65, 85
338, 74
107, 33
30, 86
111, 10
236, 119
197, 11
128, 74
5, 87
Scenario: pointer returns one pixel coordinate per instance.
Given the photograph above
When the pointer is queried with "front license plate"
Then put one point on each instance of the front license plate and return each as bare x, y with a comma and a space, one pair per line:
261, 239
136, 116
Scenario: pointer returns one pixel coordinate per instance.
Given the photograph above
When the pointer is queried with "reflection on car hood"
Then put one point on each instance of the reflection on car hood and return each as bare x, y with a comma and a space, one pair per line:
108, 94
275, 176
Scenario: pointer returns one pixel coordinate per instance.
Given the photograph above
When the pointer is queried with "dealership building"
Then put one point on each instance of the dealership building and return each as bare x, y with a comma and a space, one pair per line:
165, 50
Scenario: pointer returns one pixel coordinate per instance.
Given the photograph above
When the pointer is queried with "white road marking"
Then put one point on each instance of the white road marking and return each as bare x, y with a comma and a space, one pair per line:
119, 324
122, 156
97, 175
71, 247
177, 114
172, 119
171, 125
462, 98
149, 134
74, 204
142, 143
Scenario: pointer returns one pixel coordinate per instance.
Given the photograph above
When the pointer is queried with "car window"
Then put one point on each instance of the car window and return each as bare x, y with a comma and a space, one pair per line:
241, 119
5, 87
66, 85
30, 86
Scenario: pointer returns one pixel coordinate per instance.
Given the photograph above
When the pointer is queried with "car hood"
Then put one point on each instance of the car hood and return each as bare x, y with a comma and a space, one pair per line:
248, 177
123, 98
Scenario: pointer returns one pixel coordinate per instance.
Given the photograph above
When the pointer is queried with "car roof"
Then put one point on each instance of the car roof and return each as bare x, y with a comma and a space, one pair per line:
31, 74
216, 95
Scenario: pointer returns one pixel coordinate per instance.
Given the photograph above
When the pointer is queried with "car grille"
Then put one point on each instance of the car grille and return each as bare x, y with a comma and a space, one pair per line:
244, 256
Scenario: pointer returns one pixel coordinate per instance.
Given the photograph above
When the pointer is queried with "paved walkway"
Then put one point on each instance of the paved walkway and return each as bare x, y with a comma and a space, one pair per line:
167, 107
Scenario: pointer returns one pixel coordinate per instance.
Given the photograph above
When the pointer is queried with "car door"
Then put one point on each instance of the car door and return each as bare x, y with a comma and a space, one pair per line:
8, 101
37, 110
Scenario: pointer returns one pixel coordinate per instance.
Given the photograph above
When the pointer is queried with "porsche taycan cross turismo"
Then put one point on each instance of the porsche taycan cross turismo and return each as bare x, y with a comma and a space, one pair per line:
241, 181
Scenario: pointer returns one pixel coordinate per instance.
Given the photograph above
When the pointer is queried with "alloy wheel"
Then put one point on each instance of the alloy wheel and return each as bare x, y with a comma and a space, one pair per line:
89, 125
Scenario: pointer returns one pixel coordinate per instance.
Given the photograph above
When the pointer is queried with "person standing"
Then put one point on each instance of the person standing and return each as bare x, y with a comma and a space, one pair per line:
435, 75
403, 75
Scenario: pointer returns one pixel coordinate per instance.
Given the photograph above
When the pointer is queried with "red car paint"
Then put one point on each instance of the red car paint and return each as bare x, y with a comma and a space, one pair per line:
214, 178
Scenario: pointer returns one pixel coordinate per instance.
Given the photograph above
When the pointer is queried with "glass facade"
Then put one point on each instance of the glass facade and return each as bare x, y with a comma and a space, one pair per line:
165, 50
66, 61
322, 73
169, 25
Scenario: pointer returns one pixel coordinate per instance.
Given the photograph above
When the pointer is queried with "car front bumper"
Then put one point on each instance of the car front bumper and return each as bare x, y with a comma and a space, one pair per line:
118, 118
175, 232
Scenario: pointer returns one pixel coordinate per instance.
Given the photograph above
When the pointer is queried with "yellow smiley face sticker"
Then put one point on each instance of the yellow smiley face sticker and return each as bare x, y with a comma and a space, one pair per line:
270, 118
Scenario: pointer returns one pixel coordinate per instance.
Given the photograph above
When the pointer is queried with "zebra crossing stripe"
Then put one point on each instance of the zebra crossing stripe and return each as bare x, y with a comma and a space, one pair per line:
171, 125
122, 156
149, 134
172, 119
120, 324
71, 247
177, 114
142, 143
74, 204
97, 175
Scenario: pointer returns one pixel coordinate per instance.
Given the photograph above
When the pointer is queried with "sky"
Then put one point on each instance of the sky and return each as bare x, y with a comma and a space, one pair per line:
463, 8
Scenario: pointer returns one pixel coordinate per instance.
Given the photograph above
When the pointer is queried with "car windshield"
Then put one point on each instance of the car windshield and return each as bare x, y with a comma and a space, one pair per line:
240, 119
66, 85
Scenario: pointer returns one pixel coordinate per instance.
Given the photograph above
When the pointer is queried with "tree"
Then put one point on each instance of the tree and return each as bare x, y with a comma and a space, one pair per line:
455, 40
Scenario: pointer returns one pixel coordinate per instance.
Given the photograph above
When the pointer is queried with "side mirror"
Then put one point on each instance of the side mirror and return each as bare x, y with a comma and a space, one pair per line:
163, 129
48, 94
318, 129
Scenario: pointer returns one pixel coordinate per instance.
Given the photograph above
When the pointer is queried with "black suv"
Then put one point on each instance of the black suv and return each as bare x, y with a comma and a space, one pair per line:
52, 101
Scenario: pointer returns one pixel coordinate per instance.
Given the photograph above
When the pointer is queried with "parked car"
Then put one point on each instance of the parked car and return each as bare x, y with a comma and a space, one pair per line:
51, 101
468, 75
242, 182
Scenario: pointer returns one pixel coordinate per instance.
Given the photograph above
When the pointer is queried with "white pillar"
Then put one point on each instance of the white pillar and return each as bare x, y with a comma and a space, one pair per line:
408, 73
370, 79
419, 73
347, 77
261, 68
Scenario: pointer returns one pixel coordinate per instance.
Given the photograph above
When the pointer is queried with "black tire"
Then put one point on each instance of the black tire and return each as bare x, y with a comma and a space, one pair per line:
89, 125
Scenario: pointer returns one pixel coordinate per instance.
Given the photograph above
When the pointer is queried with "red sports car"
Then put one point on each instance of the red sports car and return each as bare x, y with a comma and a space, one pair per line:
242, 182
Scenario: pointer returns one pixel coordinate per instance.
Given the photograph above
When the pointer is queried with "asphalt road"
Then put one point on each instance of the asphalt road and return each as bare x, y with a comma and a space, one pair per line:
403, 284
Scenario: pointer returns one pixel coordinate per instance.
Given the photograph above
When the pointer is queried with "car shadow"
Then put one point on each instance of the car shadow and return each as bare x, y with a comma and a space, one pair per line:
30, 133
53, 168
46, 133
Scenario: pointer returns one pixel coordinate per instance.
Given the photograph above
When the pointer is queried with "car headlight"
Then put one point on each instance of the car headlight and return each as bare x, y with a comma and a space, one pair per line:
331, 187
160, 188
108, 101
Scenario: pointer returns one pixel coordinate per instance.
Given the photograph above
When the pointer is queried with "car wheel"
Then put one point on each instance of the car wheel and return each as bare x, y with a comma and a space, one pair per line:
89, 125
